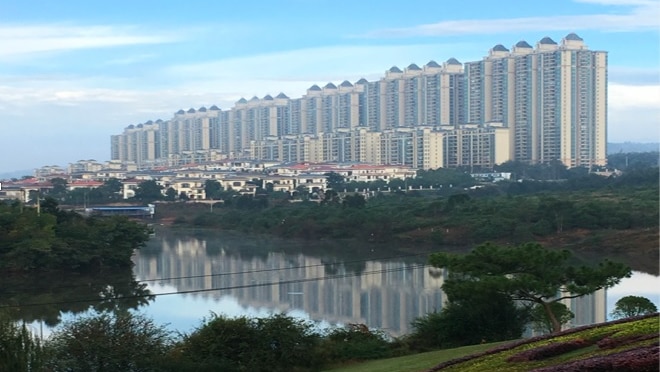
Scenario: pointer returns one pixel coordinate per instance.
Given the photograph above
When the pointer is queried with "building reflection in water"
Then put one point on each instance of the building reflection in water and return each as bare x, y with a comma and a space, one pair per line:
383, 294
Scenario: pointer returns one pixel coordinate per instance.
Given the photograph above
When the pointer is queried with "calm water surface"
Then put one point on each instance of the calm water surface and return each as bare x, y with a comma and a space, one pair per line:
197, 273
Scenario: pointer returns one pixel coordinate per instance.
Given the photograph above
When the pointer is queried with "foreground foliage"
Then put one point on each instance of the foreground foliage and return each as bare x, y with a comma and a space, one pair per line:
20, 351
528, 272
108, 342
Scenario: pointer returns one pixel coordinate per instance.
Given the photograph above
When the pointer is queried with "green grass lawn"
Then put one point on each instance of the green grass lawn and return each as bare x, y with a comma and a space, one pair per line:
416, 362
633, 335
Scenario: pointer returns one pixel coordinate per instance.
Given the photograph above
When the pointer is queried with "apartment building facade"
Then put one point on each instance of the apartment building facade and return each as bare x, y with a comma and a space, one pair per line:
533, 104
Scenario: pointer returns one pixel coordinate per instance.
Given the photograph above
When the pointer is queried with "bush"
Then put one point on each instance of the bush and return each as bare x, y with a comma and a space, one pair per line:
276, 343
356, 342
108, 342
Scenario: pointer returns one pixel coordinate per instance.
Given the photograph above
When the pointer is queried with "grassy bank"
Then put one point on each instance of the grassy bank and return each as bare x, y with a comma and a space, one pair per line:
625, 345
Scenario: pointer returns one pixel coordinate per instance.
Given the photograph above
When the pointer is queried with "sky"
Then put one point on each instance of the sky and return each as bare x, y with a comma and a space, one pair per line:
75, 72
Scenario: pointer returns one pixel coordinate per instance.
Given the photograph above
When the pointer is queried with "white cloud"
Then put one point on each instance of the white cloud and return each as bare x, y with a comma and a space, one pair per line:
20, 40
644, 15
633, 96
634, 113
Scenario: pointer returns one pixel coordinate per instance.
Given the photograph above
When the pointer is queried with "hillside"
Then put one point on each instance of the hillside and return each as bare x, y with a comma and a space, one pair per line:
624, 345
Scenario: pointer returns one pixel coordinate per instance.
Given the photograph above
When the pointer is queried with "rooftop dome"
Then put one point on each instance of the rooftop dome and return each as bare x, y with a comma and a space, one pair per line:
547, 40
500, 48
191, 111
140, 126
202, 109
149, 122
130, 126
282, 95
242, 100
573, 36
314, 87
432, 64
214, 108
453, 61
255, 98
330, 86
346, 84
523, 44
158, 121
394, 69
180, 112
362, 81
413, 67
268, 97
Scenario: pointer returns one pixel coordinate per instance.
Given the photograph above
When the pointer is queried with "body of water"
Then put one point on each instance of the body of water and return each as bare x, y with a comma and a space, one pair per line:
195, 275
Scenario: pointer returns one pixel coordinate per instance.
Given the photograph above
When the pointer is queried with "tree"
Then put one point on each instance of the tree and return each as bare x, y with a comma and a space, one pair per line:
111, 189
630, 306
170, 194
213, 189
335, 180
59, 188
468, 321
540, 320
148, 191
109, 342
527, 272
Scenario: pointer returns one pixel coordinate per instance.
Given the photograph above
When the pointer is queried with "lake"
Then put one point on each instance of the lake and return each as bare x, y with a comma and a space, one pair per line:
196, 273
193, 274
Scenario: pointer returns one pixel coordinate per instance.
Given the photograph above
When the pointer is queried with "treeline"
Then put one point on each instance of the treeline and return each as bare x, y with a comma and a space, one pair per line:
513, 211
48, 238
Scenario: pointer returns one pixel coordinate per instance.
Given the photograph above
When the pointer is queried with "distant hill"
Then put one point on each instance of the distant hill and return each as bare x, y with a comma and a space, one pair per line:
614, 148
16, 174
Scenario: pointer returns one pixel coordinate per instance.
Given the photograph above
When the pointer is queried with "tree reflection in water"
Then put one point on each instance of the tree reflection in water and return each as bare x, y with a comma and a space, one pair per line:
46, 296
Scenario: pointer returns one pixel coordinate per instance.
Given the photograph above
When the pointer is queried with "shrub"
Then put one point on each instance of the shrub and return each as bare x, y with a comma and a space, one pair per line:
356, 342
108, 342
276, 343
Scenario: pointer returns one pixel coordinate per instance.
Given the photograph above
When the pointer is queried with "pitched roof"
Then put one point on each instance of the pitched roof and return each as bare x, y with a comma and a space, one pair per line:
453, 61
573, 36
547, 40
523, 44
500, 48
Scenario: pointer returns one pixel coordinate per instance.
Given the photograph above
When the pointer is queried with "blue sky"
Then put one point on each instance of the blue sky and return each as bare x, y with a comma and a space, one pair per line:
74, 72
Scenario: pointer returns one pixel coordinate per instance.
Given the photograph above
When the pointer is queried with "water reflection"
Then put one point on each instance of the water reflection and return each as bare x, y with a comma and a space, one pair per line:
384, 294
237, 275
45, 297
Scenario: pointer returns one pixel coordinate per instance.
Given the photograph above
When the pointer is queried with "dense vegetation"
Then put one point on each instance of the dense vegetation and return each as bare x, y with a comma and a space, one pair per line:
53, 239
509, 211
131, 342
